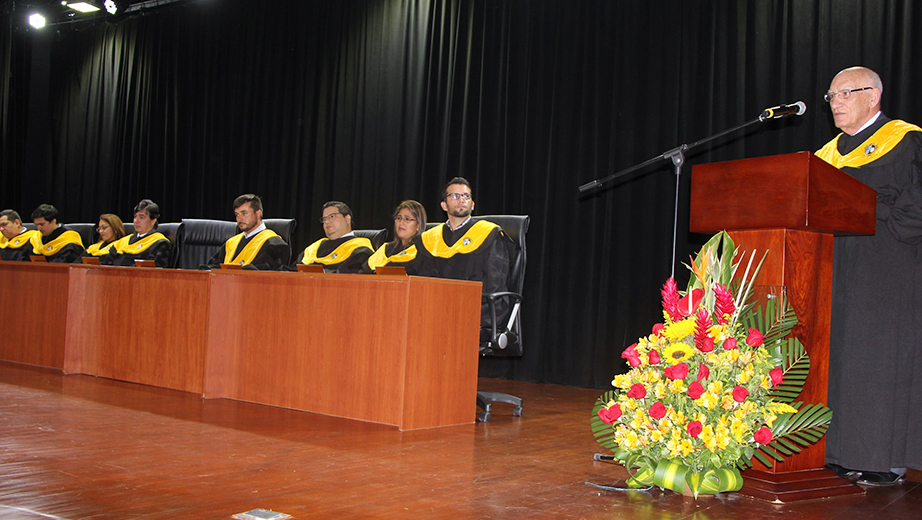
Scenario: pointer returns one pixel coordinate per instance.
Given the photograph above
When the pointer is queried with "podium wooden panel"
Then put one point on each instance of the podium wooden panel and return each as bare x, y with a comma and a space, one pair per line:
790, 206
141, 325
34, 297
392, 350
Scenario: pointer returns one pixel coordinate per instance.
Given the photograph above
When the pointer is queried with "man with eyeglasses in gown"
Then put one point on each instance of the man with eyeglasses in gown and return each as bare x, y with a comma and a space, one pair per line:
341, 251
875, 351
467, 248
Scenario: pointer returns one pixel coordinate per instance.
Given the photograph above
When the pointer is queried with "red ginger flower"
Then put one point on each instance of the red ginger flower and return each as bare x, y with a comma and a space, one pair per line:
703, 341
723, 308
671, 299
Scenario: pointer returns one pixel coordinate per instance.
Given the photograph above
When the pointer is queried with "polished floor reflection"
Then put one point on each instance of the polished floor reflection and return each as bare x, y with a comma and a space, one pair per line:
78, 447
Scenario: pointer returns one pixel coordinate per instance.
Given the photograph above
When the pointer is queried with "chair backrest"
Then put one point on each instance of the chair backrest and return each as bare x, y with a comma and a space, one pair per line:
201, 239
174, 232
377, 236
284, 228
515, 226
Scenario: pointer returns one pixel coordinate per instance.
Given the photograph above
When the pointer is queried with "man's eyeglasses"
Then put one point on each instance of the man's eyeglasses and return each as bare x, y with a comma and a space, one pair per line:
845, 93
398, 218
323, 220
457, 196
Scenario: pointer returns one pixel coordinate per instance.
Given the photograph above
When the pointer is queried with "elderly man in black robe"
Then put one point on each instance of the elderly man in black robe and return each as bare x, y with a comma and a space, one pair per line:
875, 365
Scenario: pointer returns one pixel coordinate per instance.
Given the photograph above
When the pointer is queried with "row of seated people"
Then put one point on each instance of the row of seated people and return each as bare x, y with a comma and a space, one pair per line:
464, 247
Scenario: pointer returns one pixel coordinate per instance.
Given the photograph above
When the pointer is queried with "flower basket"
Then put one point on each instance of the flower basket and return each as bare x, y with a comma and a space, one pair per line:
713, 386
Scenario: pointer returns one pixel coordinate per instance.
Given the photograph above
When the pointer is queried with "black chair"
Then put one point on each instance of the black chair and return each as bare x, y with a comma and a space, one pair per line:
377, 236
284, 228
201, 239
174, 233
503, 338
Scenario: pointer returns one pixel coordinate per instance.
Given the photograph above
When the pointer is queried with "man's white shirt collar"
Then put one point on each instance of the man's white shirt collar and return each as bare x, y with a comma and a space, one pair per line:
251, 234
448, 223
869, 123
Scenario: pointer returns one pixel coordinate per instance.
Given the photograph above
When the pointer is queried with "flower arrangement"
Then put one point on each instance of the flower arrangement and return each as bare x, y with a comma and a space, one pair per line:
708, 390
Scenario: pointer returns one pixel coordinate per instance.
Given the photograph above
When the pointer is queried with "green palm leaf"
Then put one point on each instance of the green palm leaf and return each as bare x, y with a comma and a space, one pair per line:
604, 433
793, 432
795, 365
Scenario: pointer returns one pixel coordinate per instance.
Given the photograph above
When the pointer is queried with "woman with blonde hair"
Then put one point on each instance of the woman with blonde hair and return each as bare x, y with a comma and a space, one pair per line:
409, 223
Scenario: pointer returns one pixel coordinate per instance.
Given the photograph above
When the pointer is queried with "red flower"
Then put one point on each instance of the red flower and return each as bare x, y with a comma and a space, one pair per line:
631, 355
695, 390
610, 415
671, 299
703, 372
658, 329
637, 391
730, 344
658, 410
754, 339
740, 393
703, 322
679, 371
763, 435
653, 357
689, 303
694, 428
723, 306
777, 376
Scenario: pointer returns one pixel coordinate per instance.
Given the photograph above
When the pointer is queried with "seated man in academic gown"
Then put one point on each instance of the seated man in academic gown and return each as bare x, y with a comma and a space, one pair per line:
467, 248
56, 243
145, 243
257, 247
341, 251
16, 242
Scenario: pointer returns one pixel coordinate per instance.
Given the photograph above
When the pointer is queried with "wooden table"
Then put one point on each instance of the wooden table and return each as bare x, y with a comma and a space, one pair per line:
394, 350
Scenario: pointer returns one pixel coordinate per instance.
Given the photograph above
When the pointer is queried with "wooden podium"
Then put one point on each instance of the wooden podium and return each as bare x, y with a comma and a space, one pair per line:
791, 206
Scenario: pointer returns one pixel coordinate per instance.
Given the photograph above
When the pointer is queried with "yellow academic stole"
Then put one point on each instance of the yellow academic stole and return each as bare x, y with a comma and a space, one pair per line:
249, 251
53, 247
98, 249
875, 147
20, 240
380, 257
338, 255
470, 242
122, 247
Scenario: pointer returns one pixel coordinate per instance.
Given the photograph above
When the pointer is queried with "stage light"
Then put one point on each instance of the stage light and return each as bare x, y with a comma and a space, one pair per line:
111, 7
83, 7
36, 20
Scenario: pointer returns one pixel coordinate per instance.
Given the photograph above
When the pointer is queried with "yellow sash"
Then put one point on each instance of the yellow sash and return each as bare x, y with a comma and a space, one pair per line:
249, 251
99, 249
338, 255
122, 246
20, 240
875, 147
380, 257
470, 242
52, 248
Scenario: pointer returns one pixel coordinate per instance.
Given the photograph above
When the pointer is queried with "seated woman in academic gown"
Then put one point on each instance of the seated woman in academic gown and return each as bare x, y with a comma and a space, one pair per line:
110, 229
145, 243
409, 223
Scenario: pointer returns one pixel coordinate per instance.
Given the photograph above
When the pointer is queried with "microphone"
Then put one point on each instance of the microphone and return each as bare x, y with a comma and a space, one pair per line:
796, 109
600, 457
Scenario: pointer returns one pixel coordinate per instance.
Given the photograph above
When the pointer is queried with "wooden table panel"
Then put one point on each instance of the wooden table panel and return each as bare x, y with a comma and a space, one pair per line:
35, 299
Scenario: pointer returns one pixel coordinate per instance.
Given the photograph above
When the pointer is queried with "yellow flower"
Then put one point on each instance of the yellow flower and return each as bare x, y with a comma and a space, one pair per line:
727, 402
677, 386
677, 353
709, 400
746, 374
715, 387
679, 329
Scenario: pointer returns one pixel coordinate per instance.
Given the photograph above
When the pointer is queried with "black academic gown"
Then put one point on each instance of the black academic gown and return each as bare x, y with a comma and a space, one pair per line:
875, 362
351, 263
159, 252
273, 254
66, 254
488, 263
20, 252
395, 254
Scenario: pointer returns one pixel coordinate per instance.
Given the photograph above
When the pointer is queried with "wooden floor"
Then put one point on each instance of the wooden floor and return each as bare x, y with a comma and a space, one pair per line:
77, 447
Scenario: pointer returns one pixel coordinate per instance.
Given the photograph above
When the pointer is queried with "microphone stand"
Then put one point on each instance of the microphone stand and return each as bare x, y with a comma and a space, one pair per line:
677, 156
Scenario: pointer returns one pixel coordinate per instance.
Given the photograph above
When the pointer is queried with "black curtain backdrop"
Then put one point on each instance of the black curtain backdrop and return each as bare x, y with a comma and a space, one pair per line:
375, 101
